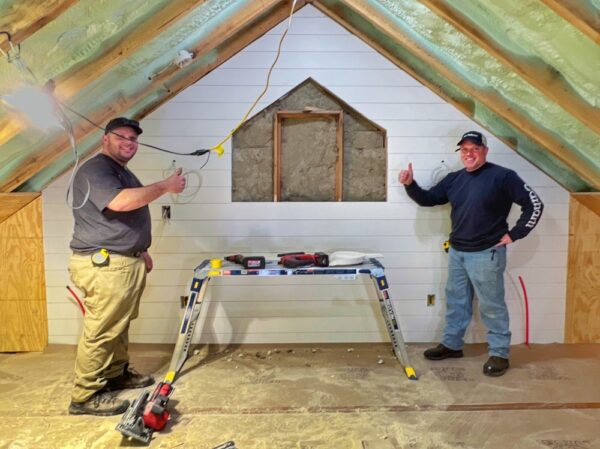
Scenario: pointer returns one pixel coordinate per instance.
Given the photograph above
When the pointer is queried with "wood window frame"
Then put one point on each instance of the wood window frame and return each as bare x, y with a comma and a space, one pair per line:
279, 117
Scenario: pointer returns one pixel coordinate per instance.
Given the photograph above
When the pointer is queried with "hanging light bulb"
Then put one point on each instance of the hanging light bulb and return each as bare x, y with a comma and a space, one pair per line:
37, 106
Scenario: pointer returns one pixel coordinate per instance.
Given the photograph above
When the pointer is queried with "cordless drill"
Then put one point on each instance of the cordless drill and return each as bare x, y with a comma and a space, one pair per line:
248, 262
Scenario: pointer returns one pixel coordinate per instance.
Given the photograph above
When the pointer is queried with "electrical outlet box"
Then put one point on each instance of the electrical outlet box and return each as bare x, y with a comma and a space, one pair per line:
166, 212
430, 300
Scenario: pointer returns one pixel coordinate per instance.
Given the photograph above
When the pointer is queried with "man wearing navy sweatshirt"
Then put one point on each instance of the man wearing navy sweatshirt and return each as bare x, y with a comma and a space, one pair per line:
481, 196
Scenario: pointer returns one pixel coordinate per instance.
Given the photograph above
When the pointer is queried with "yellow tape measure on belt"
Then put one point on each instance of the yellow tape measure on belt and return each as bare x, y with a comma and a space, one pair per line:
100, 257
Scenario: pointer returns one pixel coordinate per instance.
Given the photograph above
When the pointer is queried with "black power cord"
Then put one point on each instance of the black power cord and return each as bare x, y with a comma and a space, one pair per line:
198, 152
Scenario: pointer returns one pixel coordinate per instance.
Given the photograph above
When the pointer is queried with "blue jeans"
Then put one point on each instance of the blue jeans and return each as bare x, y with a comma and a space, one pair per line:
481, 273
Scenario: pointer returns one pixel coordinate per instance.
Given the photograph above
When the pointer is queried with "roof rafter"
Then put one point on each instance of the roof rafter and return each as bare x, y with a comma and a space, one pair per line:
581, 14
69, 84
255, 17
342, 10
28, 16
77, 77
234, 44
534, 71
506, 65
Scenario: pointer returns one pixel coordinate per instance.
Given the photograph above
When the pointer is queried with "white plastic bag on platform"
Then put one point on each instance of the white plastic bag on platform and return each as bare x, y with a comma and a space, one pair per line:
341, 258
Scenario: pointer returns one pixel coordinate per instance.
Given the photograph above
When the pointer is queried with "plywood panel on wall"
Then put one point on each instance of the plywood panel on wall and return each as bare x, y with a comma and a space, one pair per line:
24, 327
12, 202
582, 323
22, 285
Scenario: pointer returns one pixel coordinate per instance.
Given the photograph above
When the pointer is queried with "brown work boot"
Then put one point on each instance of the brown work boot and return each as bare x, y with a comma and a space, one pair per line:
129, 379
101, 403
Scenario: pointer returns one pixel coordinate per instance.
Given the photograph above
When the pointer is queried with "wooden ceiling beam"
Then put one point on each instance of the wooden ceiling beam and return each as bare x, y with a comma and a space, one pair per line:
235, 43
69, 84
36, 161
10, 127
25, 17
75, 79
537, 73
581, 14
255, 19
21, 20
339, 10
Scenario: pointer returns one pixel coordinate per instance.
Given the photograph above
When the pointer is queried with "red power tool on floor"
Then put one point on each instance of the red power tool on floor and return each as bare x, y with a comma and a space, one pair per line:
147, 413
296, 260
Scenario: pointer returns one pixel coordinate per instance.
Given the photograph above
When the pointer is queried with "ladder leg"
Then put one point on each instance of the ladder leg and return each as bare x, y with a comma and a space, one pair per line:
393, 327
186, 330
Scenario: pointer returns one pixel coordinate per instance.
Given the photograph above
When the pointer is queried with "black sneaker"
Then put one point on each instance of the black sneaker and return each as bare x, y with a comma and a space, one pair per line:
495, 366
440, 352
129, 379
100, 404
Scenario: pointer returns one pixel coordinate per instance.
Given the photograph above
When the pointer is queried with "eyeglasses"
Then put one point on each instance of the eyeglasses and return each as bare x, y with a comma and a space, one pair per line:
133, 139
476, 149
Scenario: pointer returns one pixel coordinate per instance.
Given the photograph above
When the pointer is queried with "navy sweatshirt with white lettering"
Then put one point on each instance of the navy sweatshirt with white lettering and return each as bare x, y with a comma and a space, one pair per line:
481, 201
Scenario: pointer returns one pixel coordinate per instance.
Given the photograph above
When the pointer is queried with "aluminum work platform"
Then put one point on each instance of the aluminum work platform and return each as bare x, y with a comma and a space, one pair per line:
204, 272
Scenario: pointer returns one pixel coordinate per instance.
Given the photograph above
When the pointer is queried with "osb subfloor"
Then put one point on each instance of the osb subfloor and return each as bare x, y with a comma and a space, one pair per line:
323, 397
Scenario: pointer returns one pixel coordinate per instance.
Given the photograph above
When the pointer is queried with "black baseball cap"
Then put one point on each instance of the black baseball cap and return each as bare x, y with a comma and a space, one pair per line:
120, 122
473, 136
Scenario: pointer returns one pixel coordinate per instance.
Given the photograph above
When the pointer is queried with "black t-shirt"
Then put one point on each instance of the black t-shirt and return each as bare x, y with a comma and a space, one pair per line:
98, 227
481, 201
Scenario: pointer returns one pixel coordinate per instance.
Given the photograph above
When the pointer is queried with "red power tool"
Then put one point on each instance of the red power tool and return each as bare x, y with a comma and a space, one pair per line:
147, 414
295, 260
249, 262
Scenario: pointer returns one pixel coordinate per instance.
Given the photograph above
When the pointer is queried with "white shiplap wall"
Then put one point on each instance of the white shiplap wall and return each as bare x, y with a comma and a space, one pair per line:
422, 129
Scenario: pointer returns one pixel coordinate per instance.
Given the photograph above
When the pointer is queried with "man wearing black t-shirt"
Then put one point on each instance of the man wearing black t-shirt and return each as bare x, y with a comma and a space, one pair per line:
481, 196
110, 260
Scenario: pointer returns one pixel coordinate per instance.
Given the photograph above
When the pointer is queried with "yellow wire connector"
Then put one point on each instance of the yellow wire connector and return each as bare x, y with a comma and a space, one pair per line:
219, 150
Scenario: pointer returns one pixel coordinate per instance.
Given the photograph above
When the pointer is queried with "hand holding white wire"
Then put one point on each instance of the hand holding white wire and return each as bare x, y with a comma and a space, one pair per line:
176, 182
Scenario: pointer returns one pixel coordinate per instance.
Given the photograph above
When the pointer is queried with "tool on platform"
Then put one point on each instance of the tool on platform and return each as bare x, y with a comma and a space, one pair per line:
249, 262
295, 260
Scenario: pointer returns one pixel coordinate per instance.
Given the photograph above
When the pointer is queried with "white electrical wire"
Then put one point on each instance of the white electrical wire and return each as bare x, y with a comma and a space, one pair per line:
188, 194
439, 173
72, 178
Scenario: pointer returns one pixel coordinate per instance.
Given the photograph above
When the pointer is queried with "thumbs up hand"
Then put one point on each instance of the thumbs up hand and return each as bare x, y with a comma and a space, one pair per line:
176, 182
406, 176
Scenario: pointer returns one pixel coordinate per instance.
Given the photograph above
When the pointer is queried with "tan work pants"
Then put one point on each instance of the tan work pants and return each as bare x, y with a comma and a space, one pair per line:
112, 297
